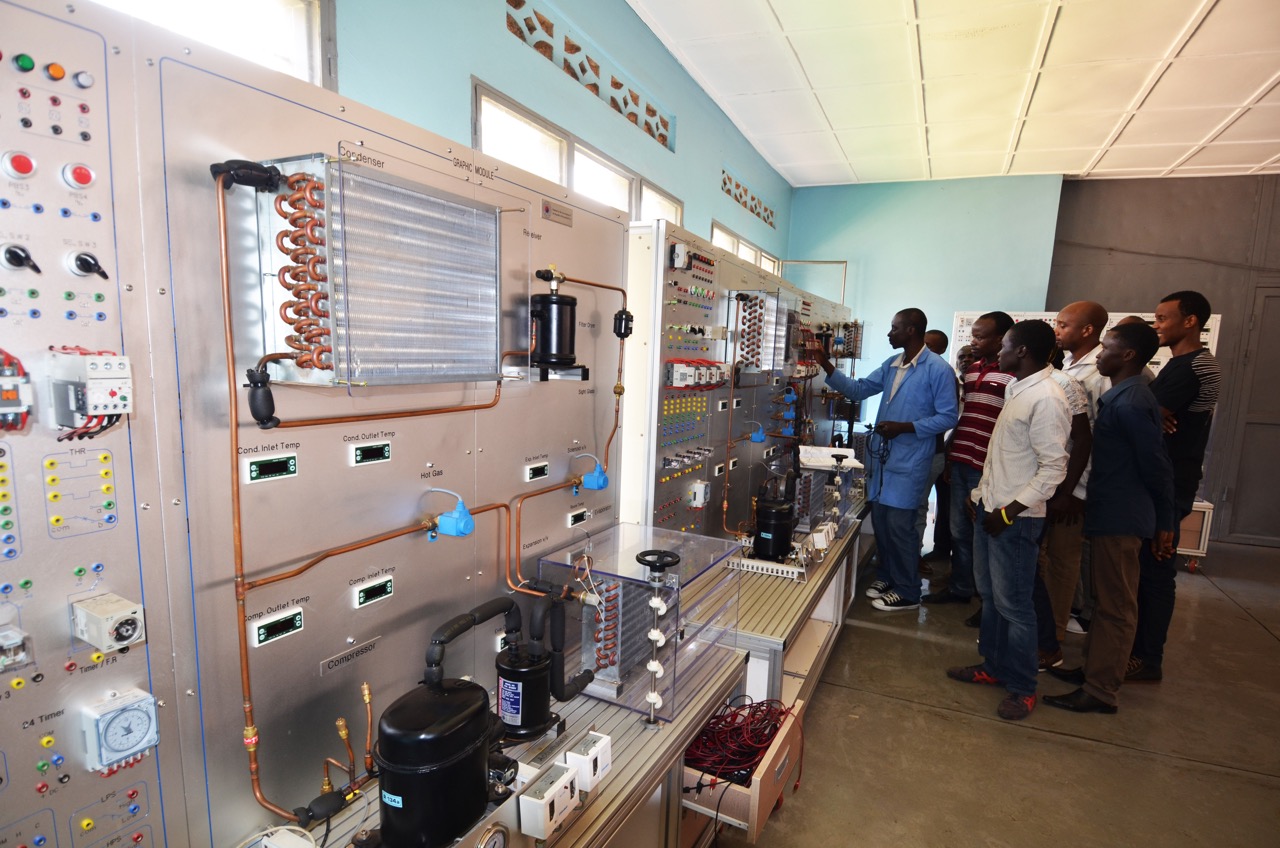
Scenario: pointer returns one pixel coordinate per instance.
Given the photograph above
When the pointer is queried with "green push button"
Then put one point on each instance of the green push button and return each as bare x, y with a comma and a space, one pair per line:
24, 63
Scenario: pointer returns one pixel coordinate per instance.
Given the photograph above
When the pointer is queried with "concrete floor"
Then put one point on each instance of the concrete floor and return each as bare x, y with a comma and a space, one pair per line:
898, 755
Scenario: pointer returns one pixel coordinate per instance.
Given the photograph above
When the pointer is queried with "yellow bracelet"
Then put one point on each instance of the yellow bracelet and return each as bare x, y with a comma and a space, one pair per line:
1005, 516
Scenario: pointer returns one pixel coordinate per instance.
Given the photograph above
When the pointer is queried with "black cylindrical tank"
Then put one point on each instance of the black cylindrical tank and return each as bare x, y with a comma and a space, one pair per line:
524, 693
433, 753
555, 318
774, 522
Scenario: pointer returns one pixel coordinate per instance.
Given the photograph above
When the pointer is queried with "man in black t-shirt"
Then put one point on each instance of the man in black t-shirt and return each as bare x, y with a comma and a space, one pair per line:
1187, 391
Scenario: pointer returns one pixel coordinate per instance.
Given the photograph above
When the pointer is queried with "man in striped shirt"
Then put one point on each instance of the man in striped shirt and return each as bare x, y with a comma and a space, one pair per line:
1187, 390
983, 395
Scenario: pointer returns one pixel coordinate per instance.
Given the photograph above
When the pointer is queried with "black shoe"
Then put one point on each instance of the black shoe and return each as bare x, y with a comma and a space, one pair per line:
936, 555
1068, 675
1138, 671
1080, 701
974, 620
945, 596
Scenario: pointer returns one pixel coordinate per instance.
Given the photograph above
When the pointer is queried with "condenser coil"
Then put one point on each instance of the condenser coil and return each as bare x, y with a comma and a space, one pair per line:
376, 280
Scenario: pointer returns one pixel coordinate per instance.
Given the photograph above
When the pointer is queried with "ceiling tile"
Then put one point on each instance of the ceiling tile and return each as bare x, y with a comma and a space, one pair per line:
683, 21
1103, 87
818, 173
888, 169
1212, 171
870, 105
1248, 153
966, 98
1052, 161
793, 148
969, 136
797, 111
1126, 173
1147, 157
1104, 30
1261, 123
1054, 132
999, 40
1213, 81
829, 14
855, 56
1172, 126
904, 141
1237, 26
746, 65
966, 165
941, 8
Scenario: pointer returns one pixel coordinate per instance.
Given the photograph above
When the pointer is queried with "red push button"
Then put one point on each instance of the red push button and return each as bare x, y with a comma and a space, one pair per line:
18, 165
77, 175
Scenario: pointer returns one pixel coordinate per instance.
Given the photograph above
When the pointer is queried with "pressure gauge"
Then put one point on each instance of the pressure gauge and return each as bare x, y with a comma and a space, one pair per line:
120, 729
494, 837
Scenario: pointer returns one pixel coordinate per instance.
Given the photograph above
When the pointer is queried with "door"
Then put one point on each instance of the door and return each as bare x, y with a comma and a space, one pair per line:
1252, 508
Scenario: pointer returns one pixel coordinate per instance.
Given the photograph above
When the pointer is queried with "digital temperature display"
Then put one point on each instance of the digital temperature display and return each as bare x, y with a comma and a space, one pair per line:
272, 467
277, 627
375, 591
367, 453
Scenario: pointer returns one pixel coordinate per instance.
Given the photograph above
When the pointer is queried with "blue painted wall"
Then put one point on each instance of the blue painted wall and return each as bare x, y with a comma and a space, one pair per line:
943, 246
415, 59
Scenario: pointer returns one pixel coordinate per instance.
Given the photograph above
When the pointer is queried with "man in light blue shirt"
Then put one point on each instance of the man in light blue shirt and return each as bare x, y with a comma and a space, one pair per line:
920, 402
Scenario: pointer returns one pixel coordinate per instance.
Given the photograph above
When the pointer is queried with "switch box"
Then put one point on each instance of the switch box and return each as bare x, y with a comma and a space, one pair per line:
593, 759
548, 801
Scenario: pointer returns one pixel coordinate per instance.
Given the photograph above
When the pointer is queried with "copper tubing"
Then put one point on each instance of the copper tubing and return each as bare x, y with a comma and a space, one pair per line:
367, 694
242, 634
330, 761
424, 525
517, 554
617, 388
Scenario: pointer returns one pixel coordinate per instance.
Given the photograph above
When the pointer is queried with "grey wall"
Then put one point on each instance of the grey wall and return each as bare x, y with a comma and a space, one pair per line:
1127, 243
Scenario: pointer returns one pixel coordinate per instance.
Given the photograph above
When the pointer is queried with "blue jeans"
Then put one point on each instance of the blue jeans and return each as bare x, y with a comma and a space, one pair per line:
964, 478
1004, 567
897, 549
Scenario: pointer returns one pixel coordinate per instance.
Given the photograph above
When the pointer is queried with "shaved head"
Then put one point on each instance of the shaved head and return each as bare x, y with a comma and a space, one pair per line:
1078, 327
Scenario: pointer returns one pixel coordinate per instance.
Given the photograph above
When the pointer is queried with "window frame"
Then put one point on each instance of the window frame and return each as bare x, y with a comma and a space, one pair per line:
570, 145
739, 242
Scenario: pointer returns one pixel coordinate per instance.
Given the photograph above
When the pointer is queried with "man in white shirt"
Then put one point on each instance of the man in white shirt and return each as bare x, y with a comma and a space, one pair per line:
1026, 460
1078, 331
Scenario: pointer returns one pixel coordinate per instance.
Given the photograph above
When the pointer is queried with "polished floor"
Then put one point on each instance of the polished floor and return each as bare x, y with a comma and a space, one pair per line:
896, 754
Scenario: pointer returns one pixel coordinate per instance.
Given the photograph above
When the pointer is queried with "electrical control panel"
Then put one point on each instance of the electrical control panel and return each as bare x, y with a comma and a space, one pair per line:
268, 412
739, 389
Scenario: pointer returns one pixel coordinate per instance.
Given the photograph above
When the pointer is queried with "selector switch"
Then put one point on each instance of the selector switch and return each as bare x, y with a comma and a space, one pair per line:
17, 257
85, 264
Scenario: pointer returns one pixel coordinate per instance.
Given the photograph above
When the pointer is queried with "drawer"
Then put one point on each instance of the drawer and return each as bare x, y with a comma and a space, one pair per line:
748, 807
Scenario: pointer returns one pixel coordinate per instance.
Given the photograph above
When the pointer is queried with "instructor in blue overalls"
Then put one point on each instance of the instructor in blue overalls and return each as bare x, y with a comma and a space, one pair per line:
920, 391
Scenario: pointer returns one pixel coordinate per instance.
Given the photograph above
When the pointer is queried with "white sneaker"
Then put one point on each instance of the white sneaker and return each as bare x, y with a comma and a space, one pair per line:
892, 601
877, 589
1073, 625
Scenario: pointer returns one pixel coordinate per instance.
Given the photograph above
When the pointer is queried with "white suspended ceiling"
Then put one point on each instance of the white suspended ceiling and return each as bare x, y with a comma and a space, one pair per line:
855, 91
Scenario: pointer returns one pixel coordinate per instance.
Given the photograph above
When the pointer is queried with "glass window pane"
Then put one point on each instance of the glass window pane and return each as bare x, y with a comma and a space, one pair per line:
515, 139
723, 238
769, 263
598, 181
654, 204
747, 252
281, 38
